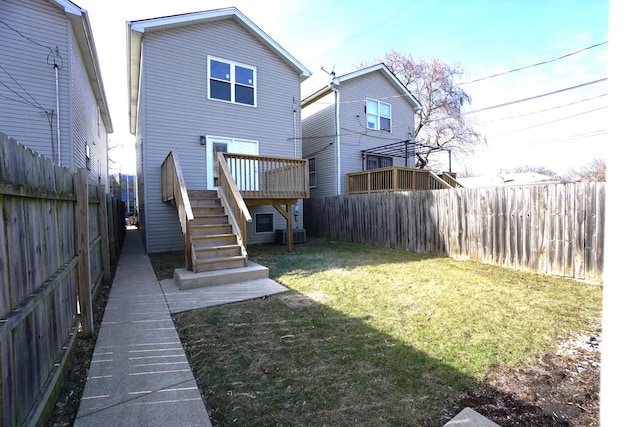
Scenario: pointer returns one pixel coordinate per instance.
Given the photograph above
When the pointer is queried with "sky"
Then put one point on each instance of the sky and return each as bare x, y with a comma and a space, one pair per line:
560, 125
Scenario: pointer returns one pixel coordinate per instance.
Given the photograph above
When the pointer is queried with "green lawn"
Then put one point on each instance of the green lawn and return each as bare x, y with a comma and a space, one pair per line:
370, 336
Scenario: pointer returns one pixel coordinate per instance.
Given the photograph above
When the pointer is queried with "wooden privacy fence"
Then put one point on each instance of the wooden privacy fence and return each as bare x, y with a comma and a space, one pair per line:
553, 229
54, 254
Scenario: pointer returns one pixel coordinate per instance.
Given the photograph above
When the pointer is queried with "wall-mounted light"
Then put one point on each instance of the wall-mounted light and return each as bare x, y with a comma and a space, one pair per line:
203, 140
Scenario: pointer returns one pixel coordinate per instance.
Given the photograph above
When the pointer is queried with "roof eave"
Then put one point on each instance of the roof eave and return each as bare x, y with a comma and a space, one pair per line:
81, 27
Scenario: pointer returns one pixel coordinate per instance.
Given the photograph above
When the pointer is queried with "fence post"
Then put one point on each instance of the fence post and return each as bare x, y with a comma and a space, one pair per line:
83, 282
104, 235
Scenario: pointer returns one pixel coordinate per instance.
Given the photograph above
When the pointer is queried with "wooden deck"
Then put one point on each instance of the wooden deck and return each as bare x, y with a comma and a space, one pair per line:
242, 181
397, 179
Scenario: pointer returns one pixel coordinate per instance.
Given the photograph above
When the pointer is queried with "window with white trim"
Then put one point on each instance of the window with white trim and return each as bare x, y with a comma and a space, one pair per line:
378, 115
312, 172
231, 81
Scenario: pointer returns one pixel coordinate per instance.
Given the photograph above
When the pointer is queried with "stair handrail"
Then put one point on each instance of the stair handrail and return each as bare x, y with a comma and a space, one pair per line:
450, 178
174, 188
232, 200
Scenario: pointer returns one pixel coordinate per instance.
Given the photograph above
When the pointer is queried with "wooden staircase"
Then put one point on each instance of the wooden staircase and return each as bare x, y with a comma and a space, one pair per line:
214, 245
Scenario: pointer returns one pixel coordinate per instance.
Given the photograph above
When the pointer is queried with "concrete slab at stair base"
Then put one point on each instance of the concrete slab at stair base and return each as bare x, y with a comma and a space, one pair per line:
470, 418
186, 279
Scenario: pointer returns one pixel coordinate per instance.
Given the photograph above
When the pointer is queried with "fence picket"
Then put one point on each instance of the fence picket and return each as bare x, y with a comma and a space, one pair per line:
38, 265
553, 229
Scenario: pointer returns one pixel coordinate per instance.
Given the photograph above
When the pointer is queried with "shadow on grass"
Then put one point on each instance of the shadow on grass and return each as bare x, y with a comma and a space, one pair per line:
290, 360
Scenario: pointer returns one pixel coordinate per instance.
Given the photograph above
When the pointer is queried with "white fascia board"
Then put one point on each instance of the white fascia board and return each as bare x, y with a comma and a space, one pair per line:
189, 18
79, 19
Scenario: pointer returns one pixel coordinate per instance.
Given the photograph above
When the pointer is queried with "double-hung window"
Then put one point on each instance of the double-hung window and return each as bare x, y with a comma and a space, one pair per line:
231, 81
378, 115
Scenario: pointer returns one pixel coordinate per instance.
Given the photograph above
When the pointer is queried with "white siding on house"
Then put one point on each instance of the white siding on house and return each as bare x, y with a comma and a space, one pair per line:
177, 112
28, 101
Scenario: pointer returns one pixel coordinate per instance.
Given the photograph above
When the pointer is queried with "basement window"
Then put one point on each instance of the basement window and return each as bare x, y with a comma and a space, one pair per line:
264, 223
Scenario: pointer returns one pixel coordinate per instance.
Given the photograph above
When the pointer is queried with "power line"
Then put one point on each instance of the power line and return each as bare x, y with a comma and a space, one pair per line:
592, 134
534, 65
546, 109
549, 122
26, 37
535, 97
35, 103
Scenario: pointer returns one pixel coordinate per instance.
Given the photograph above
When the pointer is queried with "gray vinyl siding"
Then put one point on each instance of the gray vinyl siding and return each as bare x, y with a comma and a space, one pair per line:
177, 111
28, 71
318, 140
88, 128
354, 135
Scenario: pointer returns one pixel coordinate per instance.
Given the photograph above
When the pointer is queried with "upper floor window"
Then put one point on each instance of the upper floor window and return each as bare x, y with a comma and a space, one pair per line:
378, 115
312, 172
231, 82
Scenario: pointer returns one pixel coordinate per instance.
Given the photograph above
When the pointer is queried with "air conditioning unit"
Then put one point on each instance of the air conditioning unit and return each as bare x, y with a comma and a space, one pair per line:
299, 236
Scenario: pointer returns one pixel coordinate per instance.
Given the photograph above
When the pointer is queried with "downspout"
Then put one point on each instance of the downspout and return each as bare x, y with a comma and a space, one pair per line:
337, 120
55, 67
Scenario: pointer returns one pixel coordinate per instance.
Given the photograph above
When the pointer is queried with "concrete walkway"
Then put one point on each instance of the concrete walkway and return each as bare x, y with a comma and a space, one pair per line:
139, 372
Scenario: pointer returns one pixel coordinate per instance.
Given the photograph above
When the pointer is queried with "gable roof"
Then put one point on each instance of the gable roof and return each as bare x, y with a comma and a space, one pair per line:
386, 72
137, 28
79, 19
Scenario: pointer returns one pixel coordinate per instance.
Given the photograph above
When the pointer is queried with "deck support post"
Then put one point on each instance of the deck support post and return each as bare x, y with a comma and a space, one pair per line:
287, 213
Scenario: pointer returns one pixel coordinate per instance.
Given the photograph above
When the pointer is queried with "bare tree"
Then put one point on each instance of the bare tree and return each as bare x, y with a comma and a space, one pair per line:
441, 126
595, 171
537, 169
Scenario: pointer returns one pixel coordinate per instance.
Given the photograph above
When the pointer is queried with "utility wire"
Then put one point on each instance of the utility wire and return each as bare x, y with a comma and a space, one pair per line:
535, 97
547, 123
546, 109
26, 37
551, 141
35, 103
534, 65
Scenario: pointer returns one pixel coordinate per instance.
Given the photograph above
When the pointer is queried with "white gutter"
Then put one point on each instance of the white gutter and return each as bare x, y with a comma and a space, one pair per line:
337, 119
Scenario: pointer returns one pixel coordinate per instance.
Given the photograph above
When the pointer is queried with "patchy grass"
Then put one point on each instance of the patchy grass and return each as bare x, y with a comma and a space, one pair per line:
371, 336
165, 263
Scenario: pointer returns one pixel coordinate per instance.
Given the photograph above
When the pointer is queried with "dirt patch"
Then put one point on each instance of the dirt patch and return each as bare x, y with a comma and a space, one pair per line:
562, 389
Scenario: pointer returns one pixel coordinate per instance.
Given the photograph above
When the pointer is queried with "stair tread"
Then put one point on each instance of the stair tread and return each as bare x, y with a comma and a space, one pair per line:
221, 258
213, 247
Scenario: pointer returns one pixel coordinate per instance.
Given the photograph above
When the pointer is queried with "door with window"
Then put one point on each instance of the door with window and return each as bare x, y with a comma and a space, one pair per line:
243, 171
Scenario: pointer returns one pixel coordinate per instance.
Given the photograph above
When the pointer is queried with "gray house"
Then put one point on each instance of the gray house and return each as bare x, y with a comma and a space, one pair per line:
51, 94
360, 121
214, 108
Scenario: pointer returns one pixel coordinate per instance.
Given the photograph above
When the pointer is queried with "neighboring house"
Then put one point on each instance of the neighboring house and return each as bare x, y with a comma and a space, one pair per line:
204, 83
51, 94
508, 179
360, 121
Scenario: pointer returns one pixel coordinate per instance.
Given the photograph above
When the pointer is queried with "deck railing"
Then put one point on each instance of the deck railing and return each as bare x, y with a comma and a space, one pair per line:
393, 179
174, 190
261, 177
232, 200
450, 178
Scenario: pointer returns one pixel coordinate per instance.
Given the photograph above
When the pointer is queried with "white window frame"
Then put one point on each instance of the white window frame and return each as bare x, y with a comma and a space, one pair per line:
378, 115
312, 173
232, 81
211, 140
